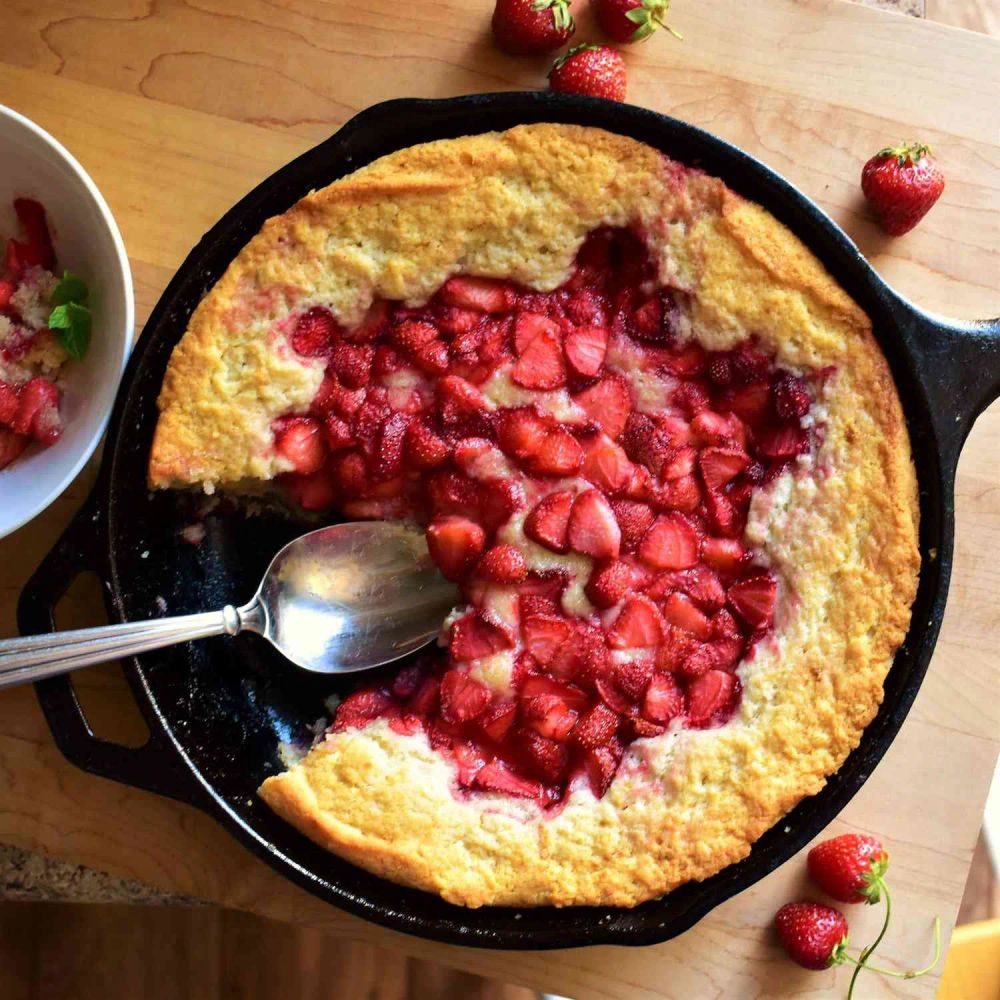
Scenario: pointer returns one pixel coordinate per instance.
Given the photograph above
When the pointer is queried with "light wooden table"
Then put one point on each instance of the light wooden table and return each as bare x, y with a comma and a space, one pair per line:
179, 108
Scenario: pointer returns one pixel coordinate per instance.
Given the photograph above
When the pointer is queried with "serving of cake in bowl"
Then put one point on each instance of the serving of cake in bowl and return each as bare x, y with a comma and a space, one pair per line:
655, 444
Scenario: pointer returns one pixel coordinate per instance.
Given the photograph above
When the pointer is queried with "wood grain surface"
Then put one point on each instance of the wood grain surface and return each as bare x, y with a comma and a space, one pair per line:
178, 108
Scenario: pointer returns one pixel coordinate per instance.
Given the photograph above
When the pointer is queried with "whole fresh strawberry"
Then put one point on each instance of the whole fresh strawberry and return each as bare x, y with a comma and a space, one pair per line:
850, 868
813, 935
901, 184
631, 20
532, 27
593, 70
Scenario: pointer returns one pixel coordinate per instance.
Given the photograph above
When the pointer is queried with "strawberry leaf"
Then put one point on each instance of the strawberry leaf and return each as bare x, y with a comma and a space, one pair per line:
70, 289
71, 323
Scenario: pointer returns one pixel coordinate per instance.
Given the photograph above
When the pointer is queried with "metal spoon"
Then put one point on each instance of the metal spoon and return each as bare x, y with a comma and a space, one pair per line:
337, 600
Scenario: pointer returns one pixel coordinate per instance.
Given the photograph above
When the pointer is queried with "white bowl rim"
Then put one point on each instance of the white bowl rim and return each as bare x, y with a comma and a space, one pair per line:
119, 244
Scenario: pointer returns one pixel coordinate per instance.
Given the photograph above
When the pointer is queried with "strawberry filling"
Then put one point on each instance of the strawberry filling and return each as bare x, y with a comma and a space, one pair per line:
593, 519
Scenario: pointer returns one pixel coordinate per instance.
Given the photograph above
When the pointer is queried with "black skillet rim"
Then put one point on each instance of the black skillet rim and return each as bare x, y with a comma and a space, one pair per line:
413, 121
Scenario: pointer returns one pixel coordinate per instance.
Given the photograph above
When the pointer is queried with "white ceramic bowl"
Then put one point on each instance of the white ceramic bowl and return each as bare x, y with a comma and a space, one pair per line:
88, 243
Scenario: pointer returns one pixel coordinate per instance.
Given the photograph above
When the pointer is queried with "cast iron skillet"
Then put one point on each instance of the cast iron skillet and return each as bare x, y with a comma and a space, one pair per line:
218, 708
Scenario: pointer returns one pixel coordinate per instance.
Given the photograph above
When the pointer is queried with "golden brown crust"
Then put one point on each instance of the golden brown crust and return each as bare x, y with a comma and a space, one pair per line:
841, 535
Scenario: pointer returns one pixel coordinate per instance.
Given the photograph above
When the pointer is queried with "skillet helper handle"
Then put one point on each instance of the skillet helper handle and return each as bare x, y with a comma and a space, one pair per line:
155, 766
35, 657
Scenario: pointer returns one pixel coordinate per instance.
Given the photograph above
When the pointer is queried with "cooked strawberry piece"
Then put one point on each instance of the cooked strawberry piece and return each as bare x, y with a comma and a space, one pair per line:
374, 324
387, 462
548, 523
499, 499
600, 765
462, 698
468, 455
687, 361
786, 441
450, 493
720, 369
455, 543
609, 582
301, 440
481, 294
724, 626
11, 446
503, 564
720, 465
462, 405
426, 699
593, 530
549, 716
723, 518
8, 403
337, 433
541, 364
497, 720
647, 320
7, 289
706, 657
633, 676
496, 777
456, 322
433, 358
582, 657
596, 727
680, 463
411, 335
559, 454
352, 364
633, 519
362, 707
691, 397
699, 583
753, 600
607, 404
528, 326
791, 397
585, 307
638, 626
749, 402
534, 685
647, 442
606, 465
672, 542
664, 700
406, 682
725, 555
678, 644
521, 432
543, 635
674, 429
711, 428
424, 448
38, 411
728, 652
680, 610
585, 349
476, 636
710, 697
545, 758
611, 695
345, 403
349, 473
31, 215
469, 760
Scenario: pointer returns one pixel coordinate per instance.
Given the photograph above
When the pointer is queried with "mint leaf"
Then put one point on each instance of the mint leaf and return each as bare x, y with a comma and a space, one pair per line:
70, 289
71, 322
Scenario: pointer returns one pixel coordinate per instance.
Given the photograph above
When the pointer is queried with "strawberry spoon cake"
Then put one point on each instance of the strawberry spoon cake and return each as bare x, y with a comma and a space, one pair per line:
655, 445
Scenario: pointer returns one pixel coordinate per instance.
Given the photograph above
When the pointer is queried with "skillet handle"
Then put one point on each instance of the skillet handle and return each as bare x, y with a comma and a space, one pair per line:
960, 367
156, 765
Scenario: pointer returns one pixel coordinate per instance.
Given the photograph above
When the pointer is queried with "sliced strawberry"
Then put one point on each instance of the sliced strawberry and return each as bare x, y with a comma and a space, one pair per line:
680, 463
450, 493
301, 440
337, 433
424, 448
497, 720
691, 397
723, 518
720, 465
386, 362
548, 523
754, 599
699, 583
581, 656
387, 462
530, 325
469, 759
31, 215
791, 397
426, 699
534, 685
600, 766
549, 716
709, 427
680, 610
362, 707
646, 442
349, 473
541, 365
725, 555
609, 582
8, 403
496, 777
316, 332
678, 644
633, 676
406, 682
639, 625
559, 454
606, 465
585, 349
38, 411
543, 758
607, 403
611, 695
7, 289
786, 441
687, 361
648, 320
373, 325
672, 542
664, 700
499, 499
675, 429
720, 369
462, 698
455, 543
724, 626
521, 432
481, 294
751, 403
411, 335
469, 454
593, 530
634, 520
503, 564
352, 364
596, 727
543, 635
710, 697
749, 364
476, 636
11, 446
586, 307
456, 322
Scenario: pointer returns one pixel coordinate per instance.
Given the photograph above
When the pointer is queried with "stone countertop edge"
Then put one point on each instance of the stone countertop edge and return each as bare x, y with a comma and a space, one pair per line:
26, 876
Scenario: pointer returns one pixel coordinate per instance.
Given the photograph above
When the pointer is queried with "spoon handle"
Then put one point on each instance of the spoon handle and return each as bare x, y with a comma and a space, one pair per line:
35, 657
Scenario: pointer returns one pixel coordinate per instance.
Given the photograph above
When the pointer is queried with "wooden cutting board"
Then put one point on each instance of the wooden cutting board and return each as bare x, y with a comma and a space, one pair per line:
179, 109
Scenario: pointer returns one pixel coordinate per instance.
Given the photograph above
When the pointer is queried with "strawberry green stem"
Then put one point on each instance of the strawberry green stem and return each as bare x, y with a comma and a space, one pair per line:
863, 957
909, 973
